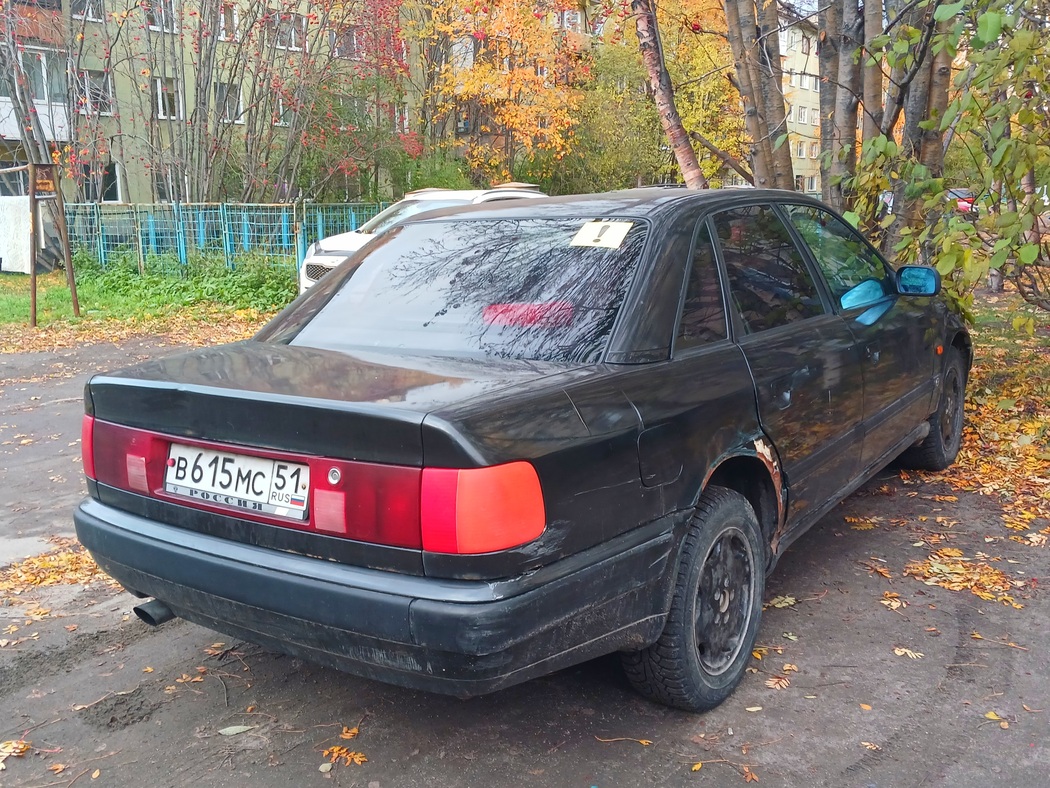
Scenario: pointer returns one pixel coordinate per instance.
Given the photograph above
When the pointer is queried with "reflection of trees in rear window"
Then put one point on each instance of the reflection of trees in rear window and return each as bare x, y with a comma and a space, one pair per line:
511, 288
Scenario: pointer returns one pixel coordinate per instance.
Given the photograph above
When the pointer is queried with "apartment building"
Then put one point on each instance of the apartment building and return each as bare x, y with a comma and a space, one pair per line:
798, 51
32, 45
194, 100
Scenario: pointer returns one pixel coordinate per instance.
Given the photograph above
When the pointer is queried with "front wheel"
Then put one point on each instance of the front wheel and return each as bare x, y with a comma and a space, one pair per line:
940, 447
711, 629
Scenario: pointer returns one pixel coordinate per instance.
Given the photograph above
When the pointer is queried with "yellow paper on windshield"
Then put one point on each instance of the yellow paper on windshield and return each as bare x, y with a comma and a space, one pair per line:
602, 234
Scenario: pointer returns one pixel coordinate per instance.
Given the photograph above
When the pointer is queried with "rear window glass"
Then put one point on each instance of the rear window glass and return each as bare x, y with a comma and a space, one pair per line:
542, 289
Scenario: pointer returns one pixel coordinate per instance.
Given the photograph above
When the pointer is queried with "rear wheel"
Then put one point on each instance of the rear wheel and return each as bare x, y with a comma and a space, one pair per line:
939, 449
713, 623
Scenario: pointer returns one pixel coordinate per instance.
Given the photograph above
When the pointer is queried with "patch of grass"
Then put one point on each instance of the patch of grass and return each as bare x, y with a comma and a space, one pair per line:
120, 292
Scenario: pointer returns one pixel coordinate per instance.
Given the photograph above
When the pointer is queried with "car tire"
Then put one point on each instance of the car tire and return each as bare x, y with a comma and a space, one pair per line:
713, 622
939, 449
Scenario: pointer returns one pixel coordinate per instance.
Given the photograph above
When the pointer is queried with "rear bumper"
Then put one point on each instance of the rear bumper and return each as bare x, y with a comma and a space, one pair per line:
456, 637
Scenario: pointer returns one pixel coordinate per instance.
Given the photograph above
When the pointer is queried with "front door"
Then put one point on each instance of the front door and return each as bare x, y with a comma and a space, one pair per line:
897, 336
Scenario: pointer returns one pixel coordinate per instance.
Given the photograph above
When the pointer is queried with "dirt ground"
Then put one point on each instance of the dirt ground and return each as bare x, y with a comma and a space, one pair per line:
891, 682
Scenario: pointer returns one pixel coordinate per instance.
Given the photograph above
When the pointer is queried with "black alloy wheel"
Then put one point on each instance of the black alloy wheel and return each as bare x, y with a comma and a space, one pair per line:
940, 447
715, 612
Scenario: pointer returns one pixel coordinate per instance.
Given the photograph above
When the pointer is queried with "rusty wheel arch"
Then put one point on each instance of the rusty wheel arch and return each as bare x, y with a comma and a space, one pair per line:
754, 472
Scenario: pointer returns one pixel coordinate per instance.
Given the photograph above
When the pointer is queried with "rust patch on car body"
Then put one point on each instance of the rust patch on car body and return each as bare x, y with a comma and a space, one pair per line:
767, 454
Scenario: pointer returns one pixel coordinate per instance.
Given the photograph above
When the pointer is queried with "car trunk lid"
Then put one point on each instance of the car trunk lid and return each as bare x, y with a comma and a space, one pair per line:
321, 442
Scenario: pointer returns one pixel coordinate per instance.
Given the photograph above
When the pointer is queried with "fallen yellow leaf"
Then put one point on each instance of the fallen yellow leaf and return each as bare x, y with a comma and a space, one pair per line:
778, 682
907, 652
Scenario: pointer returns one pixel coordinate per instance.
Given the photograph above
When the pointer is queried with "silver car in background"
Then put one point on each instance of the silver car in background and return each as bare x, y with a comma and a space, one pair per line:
326, 254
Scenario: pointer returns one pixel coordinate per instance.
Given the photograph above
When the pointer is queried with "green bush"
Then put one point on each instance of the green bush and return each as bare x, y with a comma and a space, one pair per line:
253, 283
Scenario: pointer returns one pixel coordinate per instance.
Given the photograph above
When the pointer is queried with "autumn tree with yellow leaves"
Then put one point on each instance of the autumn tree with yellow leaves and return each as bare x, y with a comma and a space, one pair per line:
501, 76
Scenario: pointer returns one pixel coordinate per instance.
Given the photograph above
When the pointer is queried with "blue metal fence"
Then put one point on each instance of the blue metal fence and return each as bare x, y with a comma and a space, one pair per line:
164, 237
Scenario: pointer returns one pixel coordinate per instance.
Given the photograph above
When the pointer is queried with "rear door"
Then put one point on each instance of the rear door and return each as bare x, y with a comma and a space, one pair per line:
803, 357
897, 336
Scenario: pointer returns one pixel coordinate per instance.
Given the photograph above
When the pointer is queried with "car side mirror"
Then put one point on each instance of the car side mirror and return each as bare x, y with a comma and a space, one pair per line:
918, 280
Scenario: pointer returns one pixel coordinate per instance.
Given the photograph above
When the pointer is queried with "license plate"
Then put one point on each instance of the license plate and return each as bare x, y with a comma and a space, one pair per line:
254, 484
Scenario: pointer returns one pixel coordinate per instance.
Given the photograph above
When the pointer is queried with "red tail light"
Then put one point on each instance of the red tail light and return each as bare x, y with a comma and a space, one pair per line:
366, 501
87, 445
481, 510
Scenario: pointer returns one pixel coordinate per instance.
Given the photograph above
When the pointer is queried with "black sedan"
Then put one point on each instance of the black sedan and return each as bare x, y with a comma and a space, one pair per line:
501, 440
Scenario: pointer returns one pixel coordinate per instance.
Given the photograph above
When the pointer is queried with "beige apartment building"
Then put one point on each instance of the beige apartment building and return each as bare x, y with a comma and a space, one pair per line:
197, 100
798, 49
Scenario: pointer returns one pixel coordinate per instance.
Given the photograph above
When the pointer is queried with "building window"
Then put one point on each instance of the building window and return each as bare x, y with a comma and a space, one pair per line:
228, 102
88, 10
168, 184
282, 113
462, 122
805, 45
229, 22
814, 116
45, 74
167, 104
800, 149
101, 184
811, 183
569, 20
815, 81
789, 114
800, 183
160, 15
289, 31
346, 43
401, 118
95, 93
792, 78
814, 150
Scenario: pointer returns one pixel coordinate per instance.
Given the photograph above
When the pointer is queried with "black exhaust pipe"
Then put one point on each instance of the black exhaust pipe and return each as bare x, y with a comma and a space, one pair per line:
154, 612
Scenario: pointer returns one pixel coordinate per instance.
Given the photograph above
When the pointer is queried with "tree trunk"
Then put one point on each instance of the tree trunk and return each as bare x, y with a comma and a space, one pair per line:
772, 84
760, 149
829, 20
663, 94
844, 135
872, 69
915, 103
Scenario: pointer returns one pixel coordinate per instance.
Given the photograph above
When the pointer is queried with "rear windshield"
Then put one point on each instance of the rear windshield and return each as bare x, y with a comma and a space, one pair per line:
542, 289
400, 211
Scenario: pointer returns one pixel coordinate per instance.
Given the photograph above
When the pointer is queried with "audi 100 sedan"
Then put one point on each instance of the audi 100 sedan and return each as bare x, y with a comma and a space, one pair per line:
505, 439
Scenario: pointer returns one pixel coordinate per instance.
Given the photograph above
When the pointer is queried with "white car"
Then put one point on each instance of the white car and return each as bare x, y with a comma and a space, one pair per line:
326, 254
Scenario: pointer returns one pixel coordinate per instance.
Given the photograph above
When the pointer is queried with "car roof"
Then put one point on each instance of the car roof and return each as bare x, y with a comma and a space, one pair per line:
504, 191
627, 203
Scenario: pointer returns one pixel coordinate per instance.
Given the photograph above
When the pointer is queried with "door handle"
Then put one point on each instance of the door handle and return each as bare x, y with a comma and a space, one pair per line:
873, 352
783, 400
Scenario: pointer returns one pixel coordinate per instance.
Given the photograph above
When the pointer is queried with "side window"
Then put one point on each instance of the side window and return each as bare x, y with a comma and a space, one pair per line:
703, 315
855, 274
769, 283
